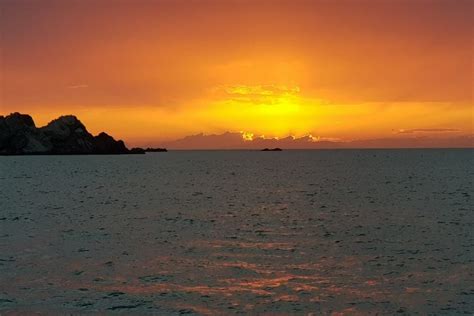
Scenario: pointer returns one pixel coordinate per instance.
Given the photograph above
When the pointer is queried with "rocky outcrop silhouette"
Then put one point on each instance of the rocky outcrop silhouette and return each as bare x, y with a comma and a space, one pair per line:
106, 144
155, 150
65, 135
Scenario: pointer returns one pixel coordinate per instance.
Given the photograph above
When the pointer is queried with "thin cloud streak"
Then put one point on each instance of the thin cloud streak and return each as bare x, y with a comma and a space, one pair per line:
78, 86
427, 130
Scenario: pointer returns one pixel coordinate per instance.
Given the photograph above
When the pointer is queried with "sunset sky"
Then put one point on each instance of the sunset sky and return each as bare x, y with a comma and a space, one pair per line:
153, 71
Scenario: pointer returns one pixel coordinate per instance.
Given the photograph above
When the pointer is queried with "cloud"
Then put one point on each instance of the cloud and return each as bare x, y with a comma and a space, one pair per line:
227, 140
427, 130
242, 140
264, 93
78, 86
246, 140
261, 90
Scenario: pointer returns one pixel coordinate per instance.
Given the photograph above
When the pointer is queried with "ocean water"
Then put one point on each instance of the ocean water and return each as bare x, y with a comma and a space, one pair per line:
239, 232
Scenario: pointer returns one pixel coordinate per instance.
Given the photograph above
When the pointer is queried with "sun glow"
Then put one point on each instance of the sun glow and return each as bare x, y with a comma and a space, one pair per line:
247, 136
275, 110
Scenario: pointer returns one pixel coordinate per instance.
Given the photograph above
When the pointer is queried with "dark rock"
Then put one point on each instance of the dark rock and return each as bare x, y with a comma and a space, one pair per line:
137, 150
272, 149
17, 121
155, 150
18, 135
69, 136
106, 144
65, 136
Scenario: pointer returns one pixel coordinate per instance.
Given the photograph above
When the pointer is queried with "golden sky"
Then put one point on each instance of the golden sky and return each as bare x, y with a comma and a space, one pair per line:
148, 71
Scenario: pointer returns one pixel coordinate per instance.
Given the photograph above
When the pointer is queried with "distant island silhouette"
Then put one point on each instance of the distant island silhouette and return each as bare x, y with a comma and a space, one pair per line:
65, 135
419, 138
155, 150
272, 149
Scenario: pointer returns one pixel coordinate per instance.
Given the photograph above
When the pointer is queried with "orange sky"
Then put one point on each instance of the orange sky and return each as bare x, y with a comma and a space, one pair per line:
151, 71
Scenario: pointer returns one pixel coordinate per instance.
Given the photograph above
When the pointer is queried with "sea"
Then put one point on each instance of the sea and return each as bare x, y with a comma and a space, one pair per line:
297, 232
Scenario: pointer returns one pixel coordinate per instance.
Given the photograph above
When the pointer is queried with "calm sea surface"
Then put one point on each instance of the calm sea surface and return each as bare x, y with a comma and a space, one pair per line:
214, 232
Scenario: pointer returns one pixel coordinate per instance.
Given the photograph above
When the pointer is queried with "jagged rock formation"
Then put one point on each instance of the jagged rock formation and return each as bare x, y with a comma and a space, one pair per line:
106, 144
65, 135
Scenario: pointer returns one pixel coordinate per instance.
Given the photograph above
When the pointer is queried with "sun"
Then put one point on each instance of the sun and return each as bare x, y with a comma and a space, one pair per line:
273, 110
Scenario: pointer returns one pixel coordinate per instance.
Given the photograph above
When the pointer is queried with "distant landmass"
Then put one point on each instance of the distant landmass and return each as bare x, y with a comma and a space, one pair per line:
234, 140
65, 135
155, 150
